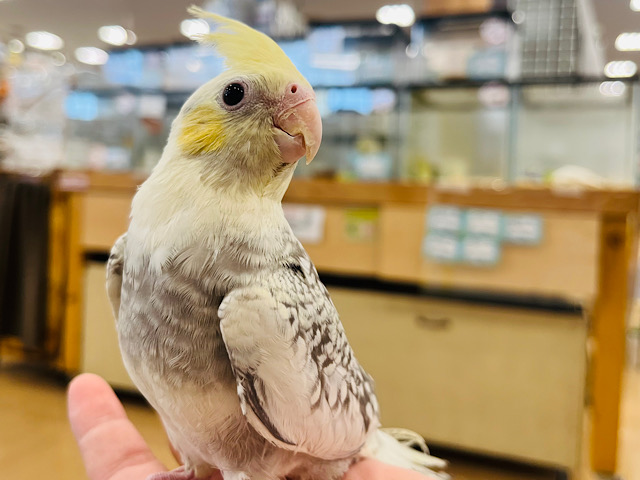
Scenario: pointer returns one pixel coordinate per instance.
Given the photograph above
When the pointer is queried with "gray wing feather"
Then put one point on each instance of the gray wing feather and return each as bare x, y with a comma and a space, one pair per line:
115, 265
298, 381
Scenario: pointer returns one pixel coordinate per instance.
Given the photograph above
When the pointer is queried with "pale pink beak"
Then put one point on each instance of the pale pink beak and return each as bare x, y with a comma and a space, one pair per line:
298, 124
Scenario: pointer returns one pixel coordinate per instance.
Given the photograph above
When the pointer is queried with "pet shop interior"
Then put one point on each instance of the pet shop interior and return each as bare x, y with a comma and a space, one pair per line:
473, 210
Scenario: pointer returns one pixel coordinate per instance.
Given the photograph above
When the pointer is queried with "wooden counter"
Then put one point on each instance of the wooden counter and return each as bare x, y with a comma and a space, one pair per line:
585, 258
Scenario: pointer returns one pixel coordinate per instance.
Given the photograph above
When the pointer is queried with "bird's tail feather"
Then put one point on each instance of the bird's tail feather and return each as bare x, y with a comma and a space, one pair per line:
406, 449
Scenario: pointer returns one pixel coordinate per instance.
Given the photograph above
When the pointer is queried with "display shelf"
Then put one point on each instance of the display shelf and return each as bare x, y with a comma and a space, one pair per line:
110, 90
378, 193
427, 132
586, 261
445, 83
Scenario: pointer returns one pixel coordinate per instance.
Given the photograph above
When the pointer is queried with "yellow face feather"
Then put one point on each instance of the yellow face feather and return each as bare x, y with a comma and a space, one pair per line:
203, 131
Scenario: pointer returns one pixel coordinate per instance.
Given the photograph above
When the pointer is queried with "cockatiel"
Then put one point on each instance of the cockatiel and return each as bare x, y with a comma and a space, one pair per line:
223, 323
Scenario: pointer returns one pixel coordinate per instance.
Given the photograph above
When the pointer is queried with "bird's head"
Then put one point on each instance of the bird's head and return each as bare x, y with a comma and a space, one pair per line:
248, 127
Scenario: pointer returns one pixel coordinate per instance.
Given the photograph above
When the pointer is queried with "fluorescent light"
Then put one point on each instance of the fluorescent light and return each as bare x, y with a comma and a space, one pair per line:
192, 27
628, 42
493, 31
113, 34
634, 5
132, 38
620, 69
194, 65
44, 40
15, 46
518, 17
612, 89
91, 55
58, 59
412, 50
401, 15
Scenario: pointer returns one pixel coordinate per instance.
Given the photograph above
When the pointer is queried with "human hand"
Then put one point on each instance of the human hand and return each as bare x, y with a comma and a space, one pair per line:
113, 449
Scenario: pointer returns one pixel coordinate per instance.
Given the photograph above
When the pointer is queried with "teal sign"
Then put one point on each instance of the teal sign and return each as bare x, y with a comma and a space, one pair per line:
476, 236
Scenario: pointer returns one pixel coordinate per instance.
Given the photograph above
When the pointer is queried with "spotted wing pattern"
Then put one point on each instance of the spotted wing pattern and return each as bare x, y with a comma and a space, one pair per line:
299, 383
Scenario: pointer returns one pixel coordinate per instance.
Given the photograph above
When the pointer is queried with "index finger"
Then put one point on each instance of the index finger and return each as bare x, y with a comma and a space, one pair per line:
111, 447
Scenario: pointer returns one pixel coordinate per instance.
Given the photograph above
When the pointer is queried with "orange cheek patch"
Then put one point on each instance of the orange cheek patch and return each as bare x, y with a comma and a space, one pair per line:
202, 131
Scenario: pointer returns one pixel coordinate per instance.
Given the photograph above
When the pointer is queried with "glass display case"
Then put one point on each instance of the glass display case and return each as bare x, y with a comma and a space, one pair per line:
455, 134
361, 135
447, 101
563, 133
584, 133
32, 119
118, 129
573, 133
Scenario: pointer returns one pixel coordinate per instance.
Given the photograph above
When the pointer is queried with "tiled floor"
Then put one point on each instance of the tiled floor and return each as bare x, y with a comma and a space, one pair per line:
36, 443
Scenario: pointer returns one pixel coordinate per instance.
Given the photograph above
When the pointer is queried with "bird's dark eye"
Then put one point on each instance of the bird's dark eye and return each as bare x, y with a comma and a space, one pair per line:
233, 94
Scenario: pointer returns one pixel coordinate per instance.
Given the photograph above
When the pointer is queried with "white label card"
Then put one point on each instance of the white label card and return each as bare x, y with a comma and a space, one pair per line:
484, 222
480, 250
441, 247
307, 221
444, 218
523, 229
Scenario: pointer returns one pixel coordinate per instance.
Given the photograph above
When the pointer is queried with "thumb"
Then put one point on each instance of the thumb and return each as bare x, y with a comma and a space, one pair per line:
111, 447
370, 469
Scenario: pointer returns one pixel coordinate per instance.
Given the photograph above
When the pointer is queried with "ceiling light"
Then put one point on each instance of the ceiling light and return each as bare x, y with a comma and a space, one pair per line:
59, 59
131, 37
494, 31
15, 46
628, 42
634, 5
612, 89
91, 55
518, 17
192, 27
44, 41
113, 34
412, 50
401, 15
620, 69
194, 65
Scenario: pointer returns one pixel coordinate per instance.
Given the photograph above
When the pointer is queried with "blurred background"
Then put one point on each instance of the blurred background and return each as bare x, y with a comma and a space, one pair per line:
473, 210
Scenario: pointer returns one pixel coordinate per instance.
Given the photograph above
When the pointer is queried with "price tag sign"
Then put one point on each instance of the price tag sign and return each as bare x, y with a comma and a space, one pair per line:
523, 229
361, 224
480, 250
441, 247
444, 218
483, 222
306, 221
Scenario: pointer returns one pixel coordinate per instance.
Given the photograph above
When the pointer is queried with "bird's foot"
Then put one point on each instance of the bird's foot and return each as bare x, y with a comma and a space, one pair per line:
179, 473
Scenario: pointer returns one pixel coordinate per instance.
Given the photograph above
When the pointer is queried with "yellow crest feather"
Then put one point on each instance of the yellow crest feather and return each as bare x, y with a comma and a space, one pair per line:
241, 46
